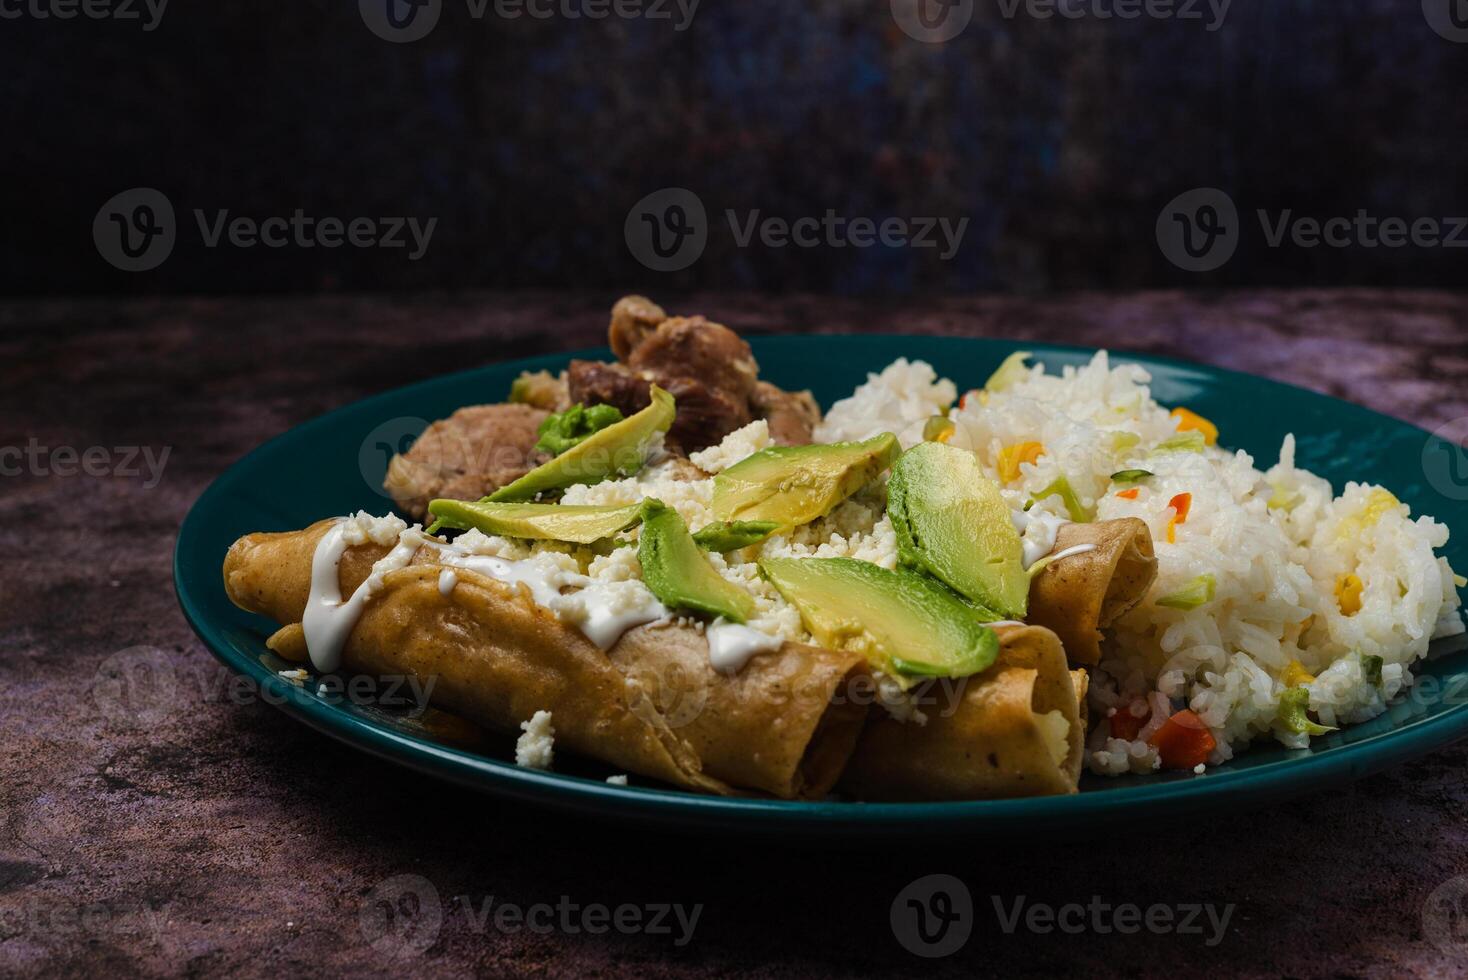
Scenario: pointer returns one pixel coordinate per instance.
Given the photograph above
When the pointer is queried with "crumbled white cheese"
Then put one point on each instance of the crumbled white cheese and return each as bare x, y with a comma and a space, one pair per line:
363, 527
617, 780
297, 676
476, 542
535, 749
690, 498
737, 445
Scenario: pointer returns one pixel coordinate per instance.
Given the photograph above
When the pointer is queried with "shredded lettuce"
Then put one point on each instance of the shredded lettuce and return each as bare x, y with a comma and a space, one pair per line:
1062, 488
1200, 591
1191, 441
1010, 373
1293, 707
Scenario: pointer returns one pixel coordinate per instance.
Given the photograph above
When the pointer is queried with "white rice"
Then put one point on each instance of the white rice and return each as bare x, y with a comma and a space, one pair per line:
1275, 568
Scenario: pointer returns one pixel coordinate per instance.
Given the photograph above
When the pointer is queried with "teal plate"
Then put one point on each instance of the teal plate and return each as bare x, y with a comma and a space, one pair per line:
333, 465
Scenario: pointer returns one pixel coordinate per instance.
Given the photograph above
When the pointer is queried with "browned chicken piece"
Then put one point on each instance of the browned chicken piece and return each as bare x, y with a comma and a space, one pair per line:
597, 383
634, 318
792, 415
692, 347
466, 456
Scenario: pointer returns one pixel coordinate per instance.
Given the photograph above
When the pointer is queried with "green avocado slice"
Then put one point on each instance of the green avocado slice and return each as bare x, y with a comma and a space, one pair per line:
679, 573
733, 535
901, 621
543, 522
953, 524
794, 485
617, 450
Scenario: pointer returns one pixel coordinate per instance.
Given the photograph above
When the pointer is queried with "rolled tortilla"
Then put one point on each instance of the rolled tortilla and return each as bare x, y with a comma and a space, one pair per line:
495, 656
786, 723
652, 704
1014, 730
1081, 595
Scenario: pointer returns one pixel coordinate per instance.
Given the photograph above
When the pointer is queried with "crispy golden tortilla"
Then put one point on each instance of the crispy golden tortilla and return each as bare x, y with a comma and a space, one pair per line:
651, 705
1082, 595
984, 737
785, 723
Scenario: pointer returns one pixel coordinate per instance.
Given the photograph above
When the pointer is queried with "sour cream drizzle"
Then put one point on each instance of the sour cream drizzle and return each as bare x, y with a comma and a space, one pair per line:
602, 611
732, 645
328, 621
1038, 529
1079, 549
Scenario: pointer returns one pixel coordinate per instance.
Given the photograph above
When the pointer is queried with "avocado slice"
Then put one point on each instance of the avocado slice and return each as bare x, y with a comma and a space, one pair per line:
543, 522
905, 623
794, 485
679, 574
953, 524
617, 450
733, 535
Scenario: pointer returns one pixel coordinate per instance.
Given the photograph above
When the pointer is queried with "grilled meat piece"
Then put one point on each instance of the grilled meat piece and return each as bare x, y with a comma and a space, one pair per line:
792, 415
466, 456
634, 318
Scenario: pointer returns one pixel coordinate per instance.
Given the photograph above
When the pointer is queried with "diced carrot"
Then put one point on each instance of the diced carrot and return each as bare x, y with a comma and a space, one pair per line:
1126, 725
1188, 421
1130, 494
1183, 741
1182, 503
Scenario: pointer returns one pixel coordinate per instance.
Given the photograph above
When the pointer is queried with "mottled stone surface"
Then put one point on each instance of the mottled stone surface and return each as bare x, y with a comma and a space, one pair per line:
218, 839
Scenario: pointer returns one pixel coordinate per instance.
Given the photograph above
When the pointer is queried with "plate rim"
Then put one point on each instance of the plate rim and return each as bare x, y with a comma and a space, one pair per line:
1296, 773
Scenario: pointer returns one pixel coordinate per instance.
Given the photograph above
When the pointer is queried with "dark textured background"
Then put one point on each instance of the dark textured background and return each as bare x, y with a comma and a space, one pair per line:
216, 839
530, 140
